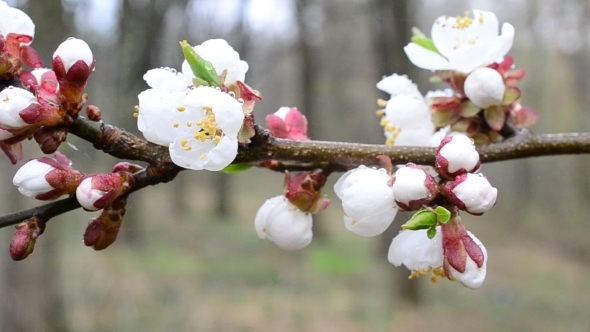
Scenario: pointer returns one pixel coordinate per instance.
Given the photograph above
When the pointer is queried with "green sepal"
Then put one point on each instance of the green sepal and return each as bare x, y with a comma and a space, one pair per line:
197, 81
421, 39
442, 215
236, 168
200, 67
422, 219
431, 232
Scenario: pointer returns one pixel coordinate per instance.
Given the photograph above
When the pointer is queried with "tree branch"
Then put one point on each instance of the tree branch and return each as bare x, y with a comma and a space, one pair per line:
291, 155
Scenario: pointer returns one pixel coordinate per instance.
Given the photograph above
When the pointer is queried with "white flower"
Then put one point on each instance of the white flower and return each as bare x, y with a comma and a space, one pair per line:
281, 222
413, 187
87, 195
223, 57
457, 154
473, 276
399, 85
73, 50
406, 117
463, 43
15, 21
367, 200
472, 193
485, 87
416, 251
12, 102
30, 178
200, 128
421, 255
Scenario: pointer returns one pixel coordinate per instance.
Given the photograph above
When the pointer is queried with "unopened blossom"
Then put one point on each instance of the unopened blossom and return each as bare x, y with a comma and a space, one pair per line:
471, 192
24, 239
100, 190
367, 200
13, 103
73, 51
485, 87
424, 256
463, 43
46, 178
288, 123
456, 155
413, 187
406, 117
284, 224
223, 58
200, 128
17, 23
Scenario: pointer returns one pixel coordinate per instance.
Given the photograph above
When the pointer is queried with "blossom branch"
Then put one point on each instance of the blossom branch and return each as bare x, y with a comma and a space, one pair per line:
291, 156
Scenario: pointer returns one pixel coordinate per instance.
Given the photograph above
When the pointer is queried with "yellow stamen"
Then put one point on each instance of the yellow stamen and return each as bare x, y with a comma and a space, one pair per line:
381, 102
181, 108
176, 125
380, 112
136, 115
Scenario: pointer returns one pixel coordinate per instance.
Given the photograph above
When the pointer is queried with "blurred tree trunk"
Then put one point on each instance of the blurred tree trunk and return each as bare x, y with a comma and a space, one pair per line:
141, 27
309, 67
392, 30
222, 181
32, 300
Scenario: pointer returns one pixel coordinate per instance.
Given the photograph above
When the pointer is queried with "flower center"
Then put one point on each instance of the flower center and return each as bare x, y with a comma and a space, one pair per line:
391, 130
437, 272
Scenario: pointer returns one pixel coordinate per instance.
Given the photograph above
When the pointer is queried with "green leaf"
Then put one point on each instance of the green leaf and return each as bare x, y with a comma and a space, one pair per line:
422, 219
511, 95
495, 117
421, 39
443, 215
431, 232
236, 168
200, 67
469, 109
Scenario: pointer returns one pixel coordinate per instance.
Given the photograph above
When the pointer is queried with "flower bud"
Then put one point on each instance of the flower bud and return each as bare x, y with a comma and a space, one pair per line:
73, 62
456, 155
485, 87
304, 190
465, 257
13, 103
103, 230
284, 224
100, 190
50, 138
24, 239
288, 123
93, 113
46, 178
413, 187
471, 192
367, 200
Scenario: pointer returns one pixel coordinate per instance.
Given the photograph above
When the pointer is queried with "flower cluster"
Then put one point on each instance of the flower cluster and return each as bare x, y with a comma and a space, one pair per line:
468, 54
52, 98
434, 239
48, 179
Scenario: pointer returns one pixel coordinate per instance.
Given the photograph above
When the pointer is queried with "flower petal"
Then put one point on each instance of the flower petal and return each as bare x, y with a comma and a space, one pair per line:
503, 43
167, 79
468, 57
199, 155
425, 59
416, 251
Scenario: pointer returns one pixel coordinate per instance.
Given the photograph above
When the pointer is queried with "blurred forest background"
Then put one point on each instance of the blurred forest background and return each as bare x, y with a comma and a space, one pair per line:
188, 258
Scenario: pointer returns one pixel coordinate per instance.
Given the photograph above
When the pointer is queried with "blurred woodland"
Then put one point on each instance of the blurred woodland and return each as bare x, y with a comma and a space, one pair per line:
188, 258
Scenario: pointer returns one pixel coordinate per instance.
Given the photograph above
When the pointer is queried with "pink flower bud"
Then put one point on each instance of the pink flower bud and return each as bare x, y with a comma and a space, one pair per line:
93, 113
456, 155
73, 62
413, 187
304, 191
465, 257
471, 192
287, 123
25, 237
103, 230
73, 54
485, 87
50, 138
100, 190
46, 178
13, 103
